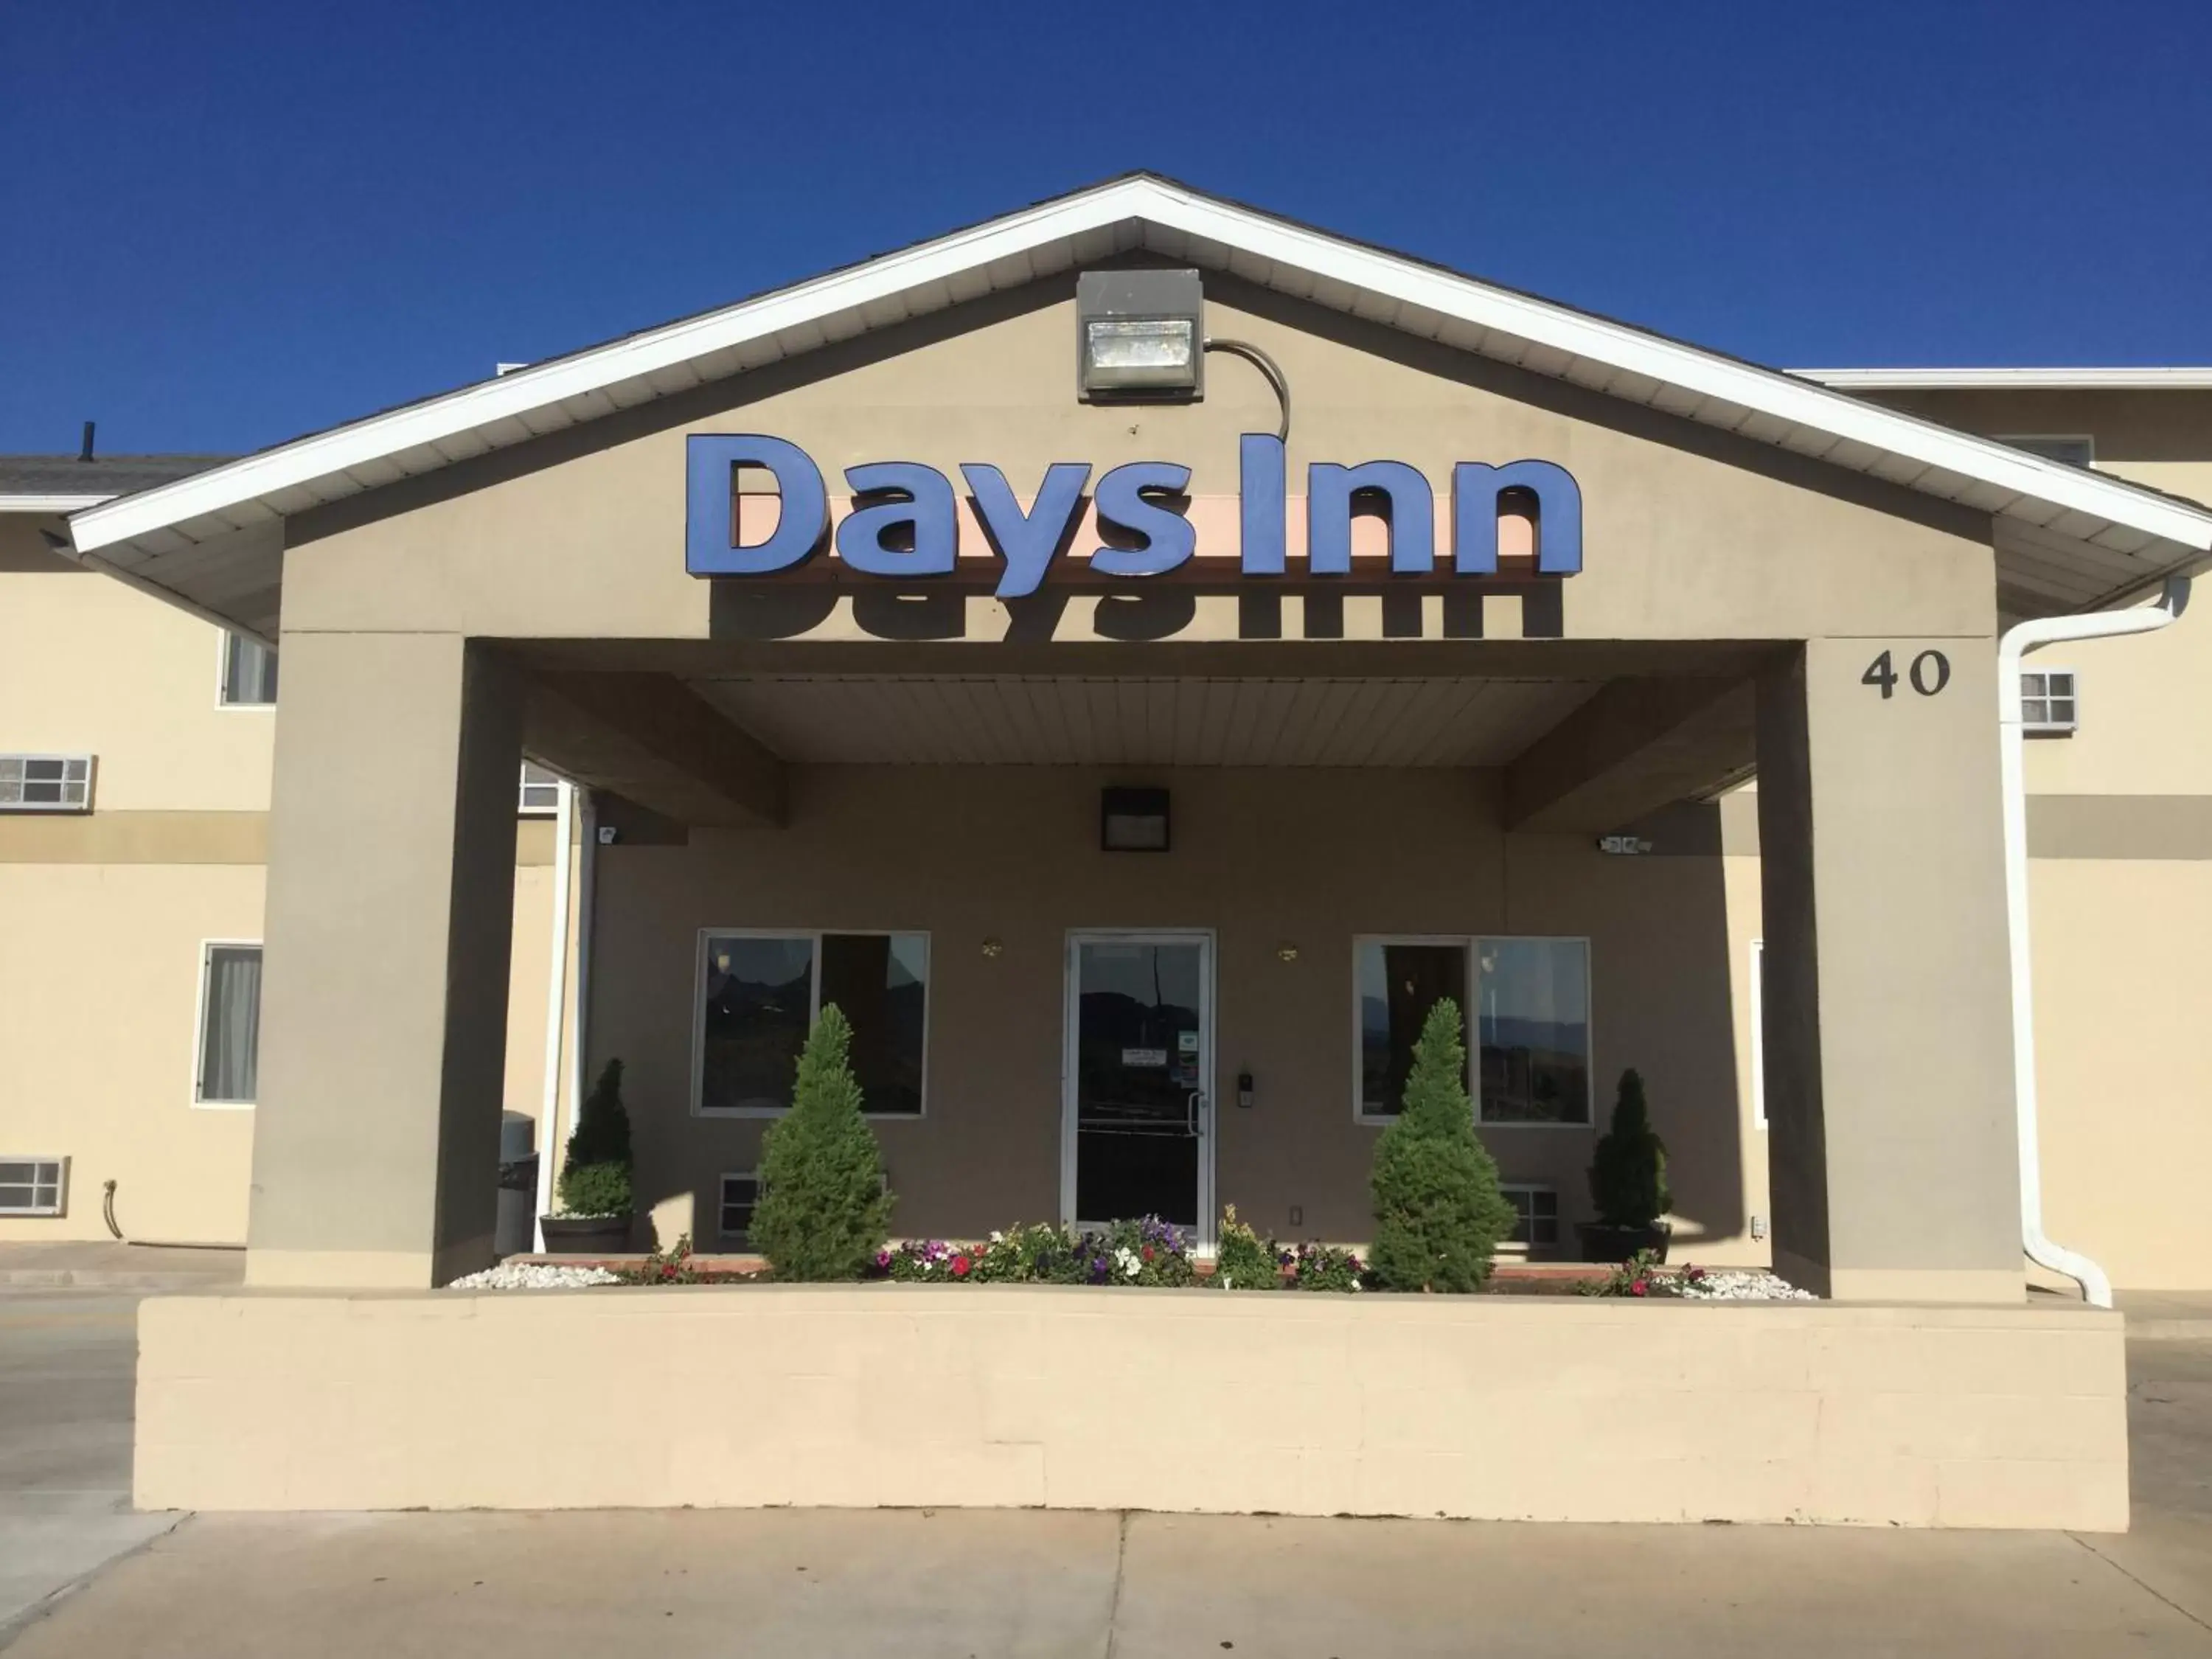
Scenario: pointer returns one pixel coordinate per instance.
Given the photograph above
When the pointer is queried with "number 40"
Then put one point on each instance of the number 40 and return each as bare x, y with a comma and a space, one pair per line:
1929, 674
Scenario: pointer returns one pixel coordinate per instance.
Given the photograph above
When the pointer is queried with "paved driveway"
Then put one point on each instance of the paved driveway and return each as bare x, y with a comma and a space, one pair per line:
918, 1584
65, 1392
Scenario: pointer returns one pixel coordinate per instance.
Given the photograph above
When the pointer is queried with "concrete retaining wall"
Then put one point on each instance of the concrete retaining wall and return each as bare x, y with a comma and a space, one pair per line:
946, 1396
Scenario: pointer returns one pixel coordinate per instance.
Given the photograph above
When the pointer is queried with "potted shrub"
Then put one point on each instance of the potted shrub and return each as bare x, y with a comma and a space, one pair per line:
1628, 1183
1438, 1212
824, 1209
594, 1190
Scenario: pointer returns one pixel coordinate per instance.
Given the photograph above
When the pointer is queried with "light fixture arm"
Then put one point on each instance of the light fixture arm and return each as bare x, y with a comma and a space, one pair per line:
1267, 366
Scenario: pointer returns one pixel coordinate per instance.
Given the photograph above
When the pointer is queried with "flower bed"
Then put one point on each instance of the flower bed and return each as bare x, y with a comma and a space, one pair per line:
1642, 1275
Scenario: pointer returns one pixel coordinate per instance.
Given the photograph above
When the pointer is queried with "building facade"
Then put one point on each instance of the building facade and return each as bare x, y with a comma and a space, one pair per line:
1135, 853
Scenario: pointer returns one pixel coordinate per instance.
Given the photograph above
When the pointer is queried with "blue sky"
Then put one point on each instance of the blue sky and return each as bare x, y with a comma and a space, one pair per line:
233, 223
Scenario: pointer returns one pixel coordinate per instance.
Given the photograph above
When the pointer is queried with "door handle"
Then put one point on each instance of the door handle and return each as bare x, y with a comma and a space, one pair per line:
1194, 1113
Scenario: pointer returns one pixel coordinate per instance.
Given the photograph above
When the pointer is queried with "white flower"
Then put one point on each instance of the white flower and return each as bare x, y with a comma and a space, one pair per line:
997, 1237
1131, 1266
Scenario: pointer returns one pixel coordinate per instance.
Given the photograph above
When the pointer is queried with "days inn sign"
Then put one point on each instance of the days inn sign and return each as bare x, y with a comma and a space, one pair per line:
905, 521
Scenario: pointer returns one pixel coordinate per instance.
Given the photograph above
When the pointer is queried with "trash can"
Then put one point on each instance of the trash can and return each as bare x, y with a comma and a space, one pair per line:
515, 1232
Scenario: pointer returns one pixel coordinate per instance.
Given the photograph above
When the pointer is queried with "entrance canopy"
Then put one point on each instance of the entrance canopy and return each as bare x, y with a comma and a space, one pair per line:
2066, 538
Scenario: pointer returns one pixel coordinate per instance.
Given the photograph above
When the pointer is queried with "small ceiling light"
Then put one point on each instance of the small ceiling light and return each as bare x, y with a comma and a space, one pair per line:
1140, 334
994, 947
1133, 820
1287, 952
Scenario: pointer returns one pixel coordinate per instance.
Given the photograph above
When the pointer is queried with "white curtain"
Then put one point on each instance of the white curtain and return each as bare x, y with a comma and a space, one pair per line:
231, 1039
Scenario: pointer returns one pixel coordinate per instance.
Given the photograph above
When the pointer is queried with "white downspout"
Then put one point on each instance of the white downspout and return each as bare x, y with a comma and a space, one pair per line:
556, 1005
2018, 641
579, 991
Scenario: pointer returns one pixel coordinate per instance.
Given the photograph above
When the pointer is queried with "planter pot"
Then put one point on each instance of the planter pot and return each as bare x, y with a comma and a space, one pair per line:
1603, 1243
585, 1234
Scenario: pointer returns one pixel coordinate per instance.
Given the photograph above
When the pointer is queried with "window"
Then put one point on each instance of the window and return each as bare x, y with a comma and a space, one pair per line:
46, 783
1530, 1015
541, 791
230, 1024
759, 994
739, 1193
33, 1186
249, 673
1535, 1216
2047, 702
2072, 448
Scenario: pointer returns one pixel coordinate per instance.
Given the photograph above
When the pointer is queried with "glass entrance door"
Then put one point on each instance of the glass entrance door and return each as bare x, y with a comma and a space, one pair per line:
1138, 1066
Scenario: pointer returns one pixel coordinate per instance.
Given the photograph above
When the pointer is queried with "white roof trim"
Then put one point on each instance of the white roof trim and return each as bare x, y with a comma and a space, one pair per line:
1558, 332
50, 503
2176, 379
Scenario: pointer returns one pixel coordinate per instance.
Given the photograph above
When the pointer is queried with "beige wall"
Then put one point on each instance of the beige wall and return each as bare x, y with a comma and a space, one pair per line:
104, 917
1501, 1408
100, 979
1265, 857
2120, 835
88, 665
1690, 534
99, 982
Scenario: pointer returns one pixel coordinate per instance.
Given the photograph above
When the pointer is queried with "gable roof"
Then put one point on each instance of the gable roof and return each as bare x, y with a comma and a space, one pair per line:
2066, 538
69, 483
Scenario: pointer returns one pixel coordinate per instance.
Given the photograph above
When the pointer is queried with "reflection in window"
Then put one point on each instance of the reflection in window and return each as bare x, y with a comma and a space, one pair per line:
1398, 986
760, 997
249, 672
1532, 1022
1528, 1022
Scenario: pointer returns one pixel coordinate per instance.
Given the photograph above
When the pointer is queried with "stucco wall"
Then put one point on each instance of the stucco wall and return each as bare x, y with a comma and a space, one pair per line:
1268, 858
100, 982
1690, 533
1504, 1407
88, 665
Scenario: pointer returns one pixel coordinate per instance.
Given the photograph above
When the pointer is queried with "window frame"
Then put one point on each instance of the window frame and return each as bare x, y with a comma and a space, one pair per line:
524, 783
2048, 727
1558, 1218
61, 1186
722, 1203
770, 1114
207, 948
53, 808
222, 644
1472, 944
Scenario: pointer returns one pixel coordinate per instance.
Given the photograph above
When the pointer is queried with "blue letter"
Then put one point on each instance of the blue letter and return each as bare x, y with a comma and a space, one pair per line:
1028, 542
928, 505
709, 520
1329, 490
1170, 537
1475, 491
1260, 502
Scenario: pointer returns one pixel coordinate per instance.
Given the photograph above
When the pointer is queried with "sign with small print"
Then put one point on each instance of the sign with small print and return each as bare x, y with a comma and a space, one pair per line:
1158, 1057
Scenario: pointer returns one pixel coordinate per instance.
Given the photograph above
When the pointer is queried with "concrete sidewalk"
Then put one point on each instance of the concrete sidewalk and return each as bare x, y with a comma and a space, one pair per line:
109, 1265
956, 1584
66, 1378
2167, 1316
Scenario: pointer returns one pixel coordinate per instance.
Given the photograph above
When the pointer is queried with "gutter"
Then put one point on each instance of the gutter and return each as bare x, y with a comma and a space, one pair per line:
2017, 642
556, 989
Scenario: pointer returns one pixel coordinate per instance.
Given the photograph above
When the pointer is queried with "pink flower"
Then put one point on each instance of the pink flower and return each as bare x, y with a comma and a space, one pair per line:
960, 1265
1641, 1287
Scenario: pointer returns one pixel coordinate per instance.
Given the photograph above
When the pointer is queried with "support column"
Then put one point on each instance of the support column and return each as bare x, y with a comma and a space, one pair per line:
389, 924
1892, 1155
